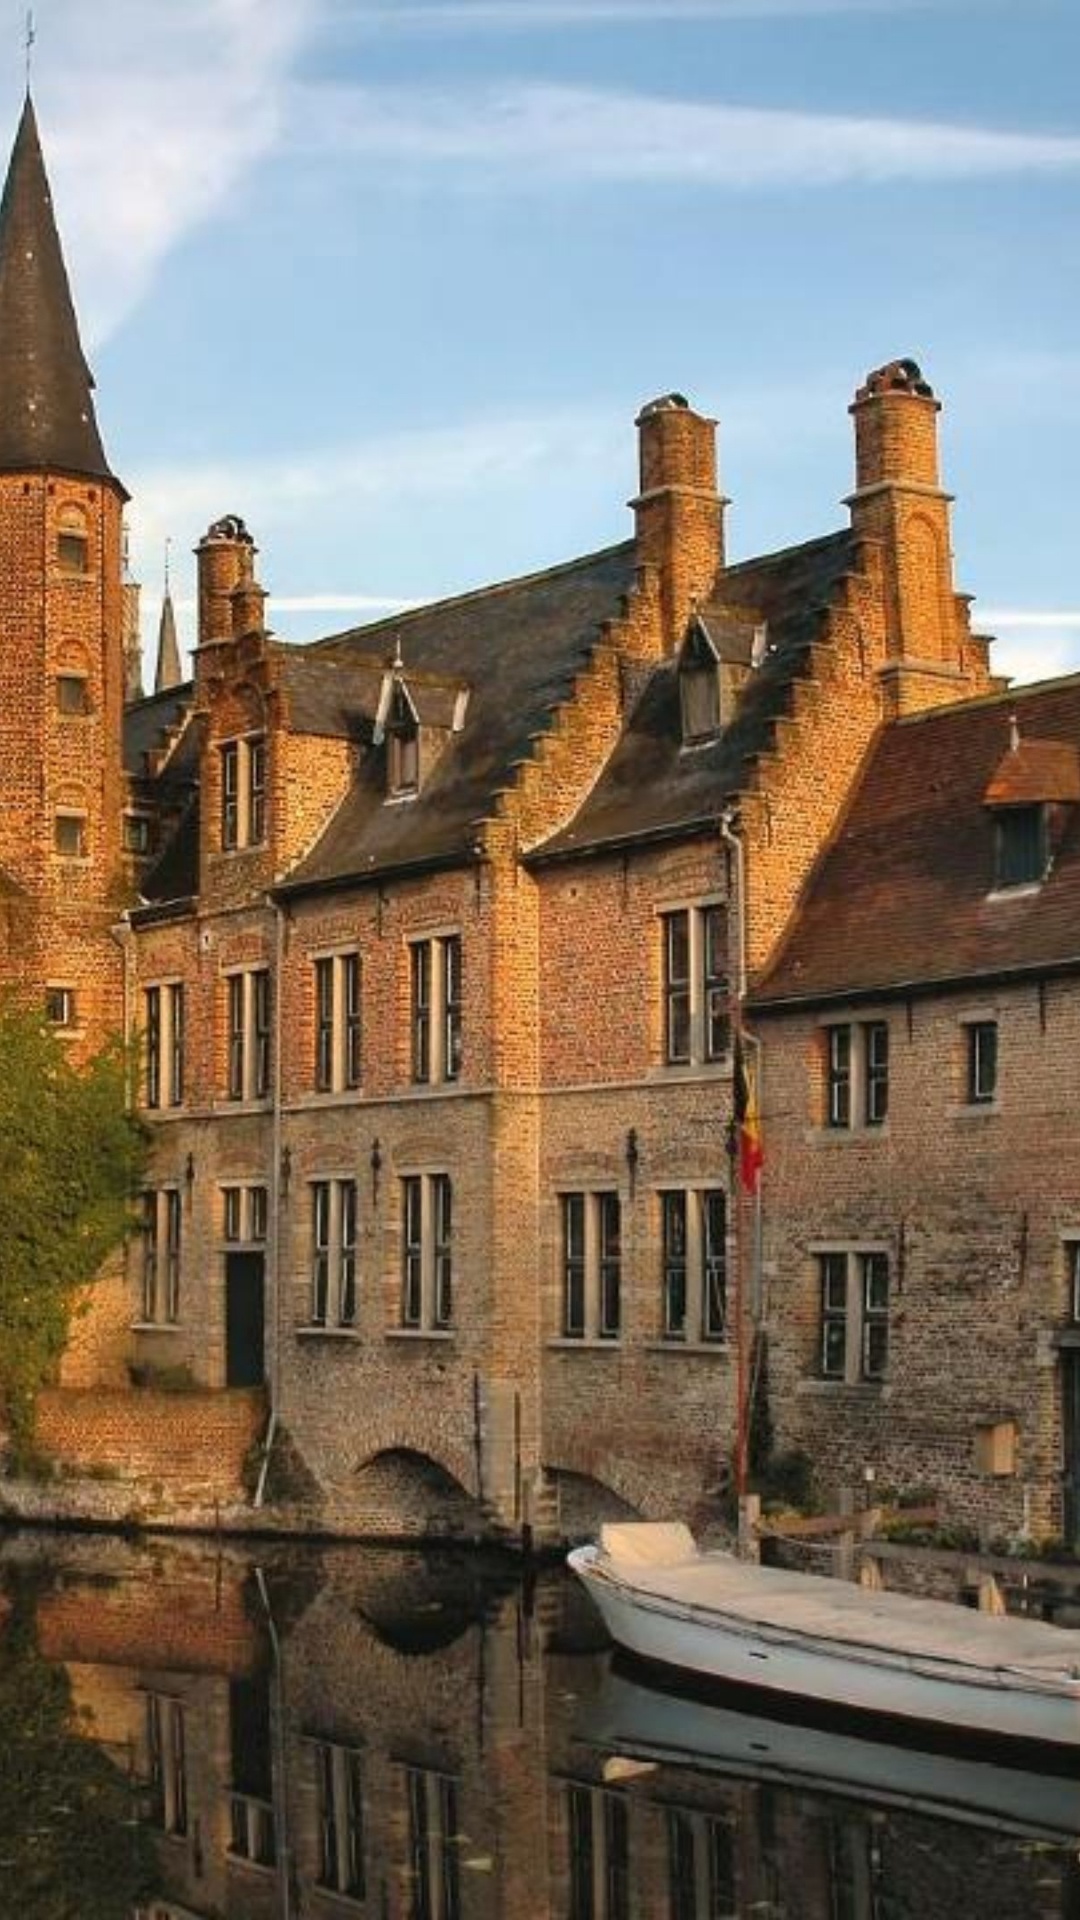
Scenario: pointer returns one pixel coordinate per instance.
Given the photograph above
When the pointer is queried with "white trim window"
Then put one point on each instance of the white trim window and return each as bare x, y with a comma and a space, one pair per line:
339, 1787
243, 792
435, 980
591, 1260
693, 1226
249, 1033
980, 1062
161, 1217
244, 1212
333, 1253
166, 1763
427, 1252
697, 1025
337, 1022
164, 1044
856, 1073
853, 1287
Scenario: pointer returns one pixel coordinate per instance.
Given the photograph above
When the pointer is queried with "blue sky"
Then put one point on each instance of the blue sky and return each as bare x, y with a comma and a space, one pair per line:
391, 278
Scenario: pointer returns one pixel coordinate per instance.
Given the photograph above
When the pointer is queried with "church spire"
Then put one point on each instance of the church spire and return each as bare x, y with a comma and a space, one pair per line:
46, 406
168, 672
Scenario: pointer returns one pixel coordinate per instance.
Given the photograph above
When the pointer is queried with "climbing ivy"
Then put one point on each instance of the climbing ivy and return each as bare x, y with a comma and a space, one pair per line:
71, 1156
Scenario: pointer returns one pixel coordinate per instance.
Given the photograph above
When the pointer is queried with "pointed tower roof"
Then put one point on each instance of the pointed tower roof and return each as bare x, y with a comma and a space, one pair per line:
46, 408
167, 673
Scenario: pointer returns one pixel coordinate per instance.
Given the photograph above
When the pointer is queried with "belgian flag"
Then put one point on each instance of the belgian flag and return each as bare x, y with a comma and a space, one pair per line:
747, 1122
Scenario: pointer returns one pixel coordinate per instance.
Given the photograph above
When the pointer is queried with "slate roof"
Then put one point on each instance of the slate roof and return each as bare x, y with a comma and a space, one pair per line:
46, 410
518, 647
148, 721
652, 785
903, 896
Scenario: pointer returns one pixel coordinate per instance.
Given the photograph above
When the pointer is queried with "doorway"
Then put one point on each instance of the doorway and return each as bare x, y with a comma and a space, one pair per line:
245, 1319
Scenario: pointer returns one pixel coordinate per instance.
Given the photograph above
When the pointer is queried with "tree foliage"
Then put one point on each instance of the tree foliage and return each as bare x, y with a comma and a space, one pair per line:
71, 1156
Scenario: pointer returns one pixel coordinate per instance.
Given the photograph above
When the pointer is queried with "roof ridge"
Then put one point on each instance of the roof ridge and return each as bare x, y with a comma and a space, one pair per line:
785, 553
1007, 696
486, 592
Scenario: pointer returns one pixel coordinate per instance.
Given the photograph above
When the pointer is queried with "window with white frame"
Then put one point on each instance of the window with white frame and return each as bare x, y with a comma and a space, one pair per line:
69, 834
337, 1022
435, 989
339, 1786
166, 1763
244, 1215
61, 1007
980, 1062
701, 1866
693, 1224
431, 1801
243, 792
72, 695
161, 1256
333, 1253
598, 1842
427, 1257
164, 1044
856, 1073
697, 1027
249, 1033
591, 1266
853, 1286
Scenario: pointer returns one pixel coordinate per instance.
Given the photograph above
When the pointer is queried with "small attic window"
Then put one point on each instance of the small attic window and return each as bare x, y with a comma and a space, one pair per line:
72, 546
402, 743
699, 685
1020, 846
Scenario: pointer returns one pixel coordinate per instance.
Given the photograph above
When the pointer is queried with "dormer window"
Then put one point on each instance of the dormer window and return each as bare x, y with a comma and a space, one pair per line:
402, 725
1020, 846
699, 685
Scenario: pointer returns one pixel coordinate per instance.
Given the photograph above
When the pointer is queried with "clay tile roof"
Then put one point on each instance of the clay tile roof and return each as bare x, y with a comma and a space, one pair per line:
1034, 771
46, 409
904, 895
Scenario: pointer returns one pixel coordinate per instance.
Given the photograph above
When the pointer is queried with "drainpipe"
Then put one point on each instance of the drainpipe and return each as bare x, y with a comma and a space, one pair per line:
747, 1381
274, 1222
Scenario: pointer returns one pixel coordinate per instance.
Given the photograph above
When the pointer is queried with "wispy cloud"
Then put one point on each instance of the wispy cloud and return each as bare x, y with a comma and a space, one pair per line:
1032, 643
533, 134
531, 16
150, 125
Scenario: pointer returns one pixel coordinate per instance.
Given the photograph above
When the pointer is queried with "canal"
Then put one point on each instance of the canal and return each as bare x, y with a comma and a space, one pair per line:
324, 1733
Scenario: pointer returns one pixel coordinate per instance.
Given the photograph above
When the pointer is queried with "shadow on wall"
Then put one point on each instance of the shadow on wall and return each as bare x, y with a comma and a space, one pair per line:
401, 1494
584, 1504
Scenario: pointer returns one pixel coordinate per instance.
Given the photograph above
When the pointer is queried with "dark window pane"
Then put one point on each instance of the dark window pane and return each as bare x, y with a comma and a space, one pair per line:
1021, 846
876, 1045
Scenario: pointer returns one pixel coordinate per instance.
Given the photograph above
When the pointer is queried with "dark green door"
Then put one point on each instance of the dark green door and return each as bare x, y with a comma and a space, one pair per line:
244, 1320
1070, 1424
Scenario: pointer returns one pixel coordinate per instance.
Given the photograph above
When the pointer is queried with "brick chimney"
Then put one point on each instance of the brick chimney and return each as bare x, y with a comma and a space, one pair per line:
226, 561
679, 512
899, 504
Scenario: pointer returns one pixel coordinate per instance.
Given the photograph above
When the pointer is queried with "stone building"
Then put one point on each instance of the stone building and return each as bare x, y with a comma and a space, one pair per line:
432, 933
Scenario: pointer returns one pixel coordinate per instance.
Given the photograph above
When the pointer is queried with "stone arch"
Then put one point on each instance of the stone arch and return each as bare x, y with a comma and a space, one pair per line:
404, 1493
585, 1502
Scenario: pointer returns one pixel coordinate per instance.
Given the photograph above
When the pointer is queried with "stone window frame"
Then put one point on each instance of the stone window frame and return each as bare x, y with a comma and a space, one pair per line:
695, 994
844, 1274
433, 1824
701, 1853
61, 1006
340, 1816
163, 1044
243, 764
245, 1213
981, 1066
162, 1250
72, 694
71, 551
856, 1071
166, 1755
334, 1251
338, 986
701, 1261
68, 817
249, 1034
597, 1824
427, 1204
1070, 1255
138, 834
590, 1265
436, 1007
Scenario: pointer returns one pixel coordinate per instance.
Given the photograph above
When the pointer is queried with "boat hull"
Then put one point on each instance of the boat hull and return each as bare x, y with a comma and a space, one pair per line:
672, 1637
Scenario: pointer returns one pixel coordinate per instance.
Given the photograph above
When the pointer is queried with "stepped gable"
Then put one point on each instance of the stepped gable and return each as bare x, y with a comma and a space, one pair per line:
904, 897
46, 409
149, 722
516, 648
651, 786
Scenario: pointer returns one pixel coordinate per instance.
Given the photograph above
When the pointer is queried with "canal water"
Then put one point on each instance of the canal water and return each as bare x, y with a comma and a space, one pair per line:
314, 1734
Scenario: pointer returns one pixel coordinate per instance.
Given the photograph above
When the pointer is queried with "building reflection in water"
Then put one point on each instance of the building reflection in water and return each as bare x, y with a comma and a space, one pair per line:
323, 1734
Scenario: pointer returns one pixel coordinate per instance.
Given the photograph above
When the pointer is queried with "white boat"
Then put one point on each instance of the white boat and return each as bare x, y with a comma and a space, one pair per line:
831, 1641
674, 1729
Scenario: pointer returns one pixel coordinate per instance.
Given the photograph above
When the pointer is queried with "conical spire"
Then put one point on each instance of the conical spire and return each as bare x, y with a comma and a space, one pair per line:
168, 672
46, 410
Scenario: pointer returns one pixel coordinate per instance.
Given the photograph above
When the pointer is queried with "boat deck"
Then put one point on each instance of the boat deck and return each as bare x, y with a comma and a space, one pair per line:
810, 1606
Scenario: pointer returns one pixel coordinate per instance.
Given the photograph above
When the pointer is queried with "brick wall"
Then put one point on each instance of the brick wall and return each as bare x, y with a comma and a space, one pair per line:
195, 1442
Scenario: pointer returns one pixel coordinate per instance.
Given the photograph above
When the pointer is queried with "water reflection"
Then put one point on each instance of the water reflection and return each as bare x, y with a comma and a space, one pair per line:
387, 1736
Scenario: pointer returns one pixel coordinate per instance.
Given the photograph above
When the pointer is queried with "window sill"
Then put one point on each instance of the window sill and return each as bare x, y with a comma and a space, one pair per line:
849, 1389
676, 1071
974, 1110
304, 1330
441, 1334
156, 1326
839, 1136
712, 1349
430, 1089
568, 1343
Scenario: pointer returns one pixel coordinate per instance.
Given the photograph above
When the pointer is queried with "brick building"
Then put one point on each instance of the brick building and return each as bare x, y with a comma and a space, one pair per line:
432, 937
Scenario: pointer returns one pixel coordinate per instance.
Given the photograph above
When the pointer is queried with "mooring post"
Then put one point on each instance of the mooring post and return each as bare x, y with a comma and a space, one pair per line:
749, 1518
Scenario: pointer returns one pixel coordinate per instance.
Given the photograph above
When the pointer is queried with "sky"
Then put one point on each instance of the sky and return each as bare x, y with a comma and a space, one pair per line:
391, 278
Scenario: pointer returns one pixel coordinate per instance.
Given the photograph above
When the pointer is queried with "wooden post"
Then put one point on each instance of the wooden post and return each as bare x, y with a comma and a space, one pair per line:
991, 1598
870, 1574
844, 1564
749, 1517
